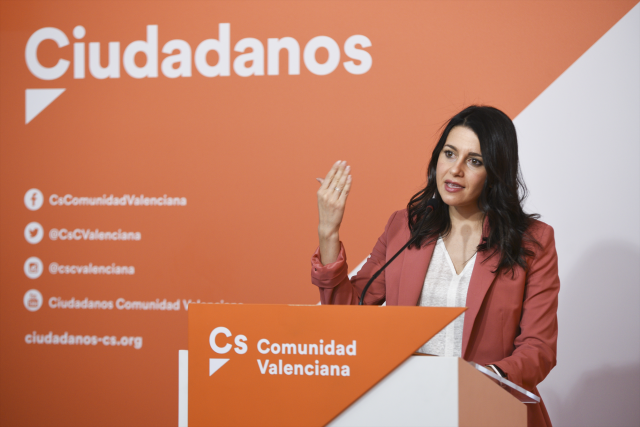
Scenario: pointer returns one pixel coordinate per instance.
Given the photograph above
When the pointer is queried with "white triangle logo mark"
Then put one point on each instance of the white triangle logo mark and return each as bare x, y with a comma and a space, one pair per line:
215, 364
37, 100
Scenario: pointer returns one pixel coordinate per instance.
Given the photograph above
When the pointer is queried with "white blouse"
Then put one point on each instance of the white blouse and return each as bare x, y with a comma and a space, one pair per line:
443, 287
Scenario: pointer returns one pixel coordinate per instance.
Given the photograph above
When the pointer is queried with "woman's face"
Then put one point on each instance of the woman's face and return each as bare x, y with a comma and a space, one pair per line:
460, 172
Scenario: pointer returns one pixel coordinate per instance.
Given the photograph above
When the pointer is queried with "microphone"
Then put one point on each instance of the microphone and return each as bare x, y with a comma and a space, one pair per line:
431, 204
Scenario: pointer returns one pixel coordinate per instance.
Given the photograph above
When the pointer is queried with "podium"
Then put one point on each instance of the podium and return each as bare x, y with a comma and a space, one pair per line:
334, 365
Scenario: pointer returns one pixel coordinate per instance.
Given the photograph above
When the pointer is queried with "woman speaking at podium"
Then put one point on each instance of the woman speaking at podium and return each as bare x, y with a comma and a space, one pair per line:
472, 245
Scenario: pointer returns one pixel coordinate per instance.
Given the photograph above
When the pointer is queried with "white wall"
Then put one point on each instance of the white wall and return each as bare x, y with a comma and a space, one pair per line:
580, 155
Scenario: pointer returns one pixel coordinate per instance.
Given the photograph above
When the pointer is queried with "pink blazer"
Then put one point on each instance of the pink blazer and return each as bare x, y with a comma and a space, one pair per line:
510, 322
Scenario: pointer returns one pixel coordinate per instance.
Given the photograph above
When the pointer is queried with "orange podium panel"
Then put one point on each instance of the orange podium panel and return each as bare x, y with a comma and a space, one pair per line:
292, 365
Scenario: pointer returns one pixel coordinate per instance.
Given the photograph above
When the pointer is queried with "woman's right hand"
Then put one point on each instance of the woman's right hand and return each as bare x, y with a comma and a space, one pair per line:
332, 199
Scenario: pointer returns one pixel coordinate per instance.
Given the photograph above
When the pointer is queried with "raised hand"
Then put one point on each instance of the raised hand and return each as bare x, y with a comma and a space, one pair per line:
332, 199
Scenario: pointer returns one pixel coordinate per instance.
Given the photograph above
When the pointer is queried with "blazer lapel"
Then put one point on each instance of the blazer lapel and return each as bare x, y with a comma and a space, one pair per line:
481, 279
414, 269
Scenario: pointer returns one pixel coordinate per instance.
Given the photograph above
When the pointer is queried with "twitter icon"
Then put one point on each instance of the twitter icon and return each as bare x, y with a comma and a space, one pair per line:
33, 232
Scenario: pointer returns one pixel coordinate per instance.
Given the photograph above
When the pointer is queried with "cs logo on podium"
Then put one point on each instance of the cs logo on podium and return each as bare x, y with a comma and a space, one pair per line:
240, 348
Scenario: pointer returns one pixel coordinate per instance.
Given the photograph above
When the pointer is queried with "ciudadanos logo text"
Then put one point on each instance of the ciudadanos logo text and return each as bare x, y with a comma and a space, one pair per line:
251, 57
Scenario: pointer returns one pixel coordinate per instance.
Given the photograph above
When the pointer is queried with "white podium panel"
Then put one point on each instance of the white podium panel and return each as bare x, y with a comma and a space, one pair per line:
435, 392
422, 391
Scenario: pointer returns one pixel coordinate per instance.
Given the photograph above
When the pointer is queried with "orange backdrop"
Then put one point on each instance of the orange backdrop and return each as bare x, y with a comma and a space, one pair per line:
243, 151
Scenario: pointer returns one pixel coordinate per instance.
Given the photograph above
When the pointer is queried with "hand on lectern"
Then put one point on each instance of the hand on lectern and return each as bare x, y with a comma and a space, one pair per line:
332, 199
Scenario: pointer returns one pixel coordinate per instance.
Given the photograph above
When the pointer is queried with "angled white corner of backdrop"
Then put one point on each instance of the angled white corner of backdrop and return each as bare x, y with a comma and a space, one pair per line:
579, 148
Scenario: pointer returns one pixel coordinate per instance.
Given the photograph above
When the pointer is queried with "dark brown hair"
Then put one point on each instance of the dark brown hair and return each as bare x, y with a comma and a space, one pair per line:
502, 196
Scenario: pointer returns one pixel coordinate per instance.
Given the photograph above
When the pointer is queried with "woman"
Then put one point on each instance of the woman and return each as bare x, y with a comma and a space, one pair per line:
476, 248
